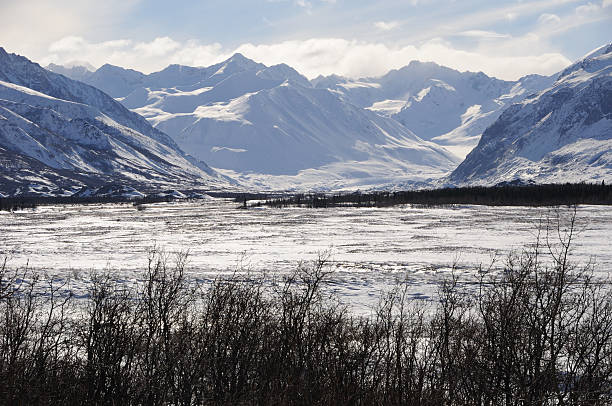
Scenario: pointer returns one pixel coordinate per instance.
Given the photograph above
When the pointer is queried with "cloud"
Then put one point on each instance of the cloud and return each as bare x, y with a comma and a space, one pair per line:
588, 8
549, 19
482, 34
158, 47
317, 55
386, 25
606, 3
53, 20
551, 25
74, 44
355, 59
144, 56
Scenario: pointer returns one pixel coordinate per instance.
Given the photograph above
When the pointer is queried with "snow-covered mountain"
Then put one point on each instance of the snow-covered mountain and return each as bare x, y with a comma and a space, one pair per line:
77, 71
440, 104
562, 134
119, 82
58, 135
271, 128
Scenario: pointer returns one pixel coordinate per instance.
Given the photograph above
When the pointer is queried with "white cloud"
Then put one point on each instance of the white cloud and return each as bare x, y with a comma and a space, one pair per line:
483, 17
312, 57
386, 25
549, 19
482, 34
158, 47
24, 23
606, 3
588, 8
552, 25
144, 56
74, 44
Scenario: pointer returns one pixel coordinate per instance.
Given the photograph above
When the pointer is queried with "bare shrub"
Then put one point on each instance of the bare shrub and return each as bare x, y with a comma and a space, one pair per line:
537, 333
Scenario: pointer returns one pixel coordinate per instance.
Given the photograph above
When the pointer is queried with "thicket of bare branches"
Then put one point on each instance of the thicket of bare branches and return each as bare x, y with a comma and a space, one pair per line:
538, 333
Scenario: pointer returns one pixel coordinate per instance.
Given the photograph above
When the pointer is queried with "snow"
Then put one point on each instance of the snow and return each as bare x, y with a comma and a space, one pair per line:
51, 124
562, 134
388, 107
10, 89
273, 125
431, 100
358, 84
269, 128
235, 110
370, 249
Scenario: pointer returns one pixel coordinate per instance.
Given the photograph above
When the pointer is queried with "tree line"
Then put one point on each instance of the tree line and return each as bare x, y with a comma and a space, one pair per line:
538, 333
507, 195
32, 201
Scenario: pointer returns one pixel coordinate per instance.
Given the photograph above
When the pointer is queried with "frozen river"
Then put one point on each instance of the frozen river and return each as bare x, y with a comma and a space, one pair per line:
370, 248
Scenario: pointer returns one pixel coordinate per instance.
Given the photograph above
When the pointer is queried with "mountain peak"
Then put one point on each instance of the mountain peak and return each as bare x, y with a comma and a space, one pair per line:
416, 67
238, 57
593, 61
422, 64
177, 68
72, 71
237, 63
107, 67
284, 72
562, 134
602, 50
242, 61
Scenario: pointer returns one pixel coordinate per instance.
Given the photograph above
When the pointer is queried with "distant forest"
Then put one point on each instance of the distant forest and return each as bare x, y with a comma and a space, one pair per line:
508, 195
32, 201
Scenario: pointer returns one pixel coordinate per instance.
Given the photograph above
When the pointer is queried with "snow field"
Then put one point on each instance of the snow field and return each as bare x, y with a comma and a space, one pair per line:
369, 249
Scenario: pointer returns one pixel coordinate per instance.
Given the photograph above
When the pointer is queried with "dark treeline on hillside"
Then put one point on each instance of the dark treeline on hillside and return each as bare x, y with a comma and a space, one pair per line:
30, 202
539, 333
532, 195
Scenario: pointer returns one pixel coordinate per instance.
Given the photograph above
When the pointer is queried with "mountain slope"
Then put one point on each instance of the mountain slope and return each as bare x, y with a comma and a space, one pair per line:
561, 134
273, 129
440, 104
61, 134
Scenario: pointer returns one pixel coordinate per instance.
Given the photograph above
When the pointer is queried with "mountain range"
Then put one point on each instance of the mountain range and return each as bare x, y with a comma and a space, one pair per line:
437, 103
58, 135
270, 128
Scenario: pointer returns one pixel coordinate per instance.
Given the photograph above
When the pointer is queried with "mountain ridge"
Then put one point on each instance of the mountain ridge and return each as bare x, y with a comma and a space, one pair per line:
563, 133
261, 124
63, 134
448, 107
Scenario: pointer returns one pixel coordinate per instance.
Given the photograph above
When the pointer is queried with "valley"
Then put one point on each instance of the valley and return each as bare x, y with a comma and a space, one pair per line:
370, 249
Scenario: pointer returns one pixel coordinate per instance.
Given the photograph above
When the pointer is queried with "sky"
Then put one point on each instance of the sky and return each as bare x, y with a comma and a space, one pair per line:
355, 38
